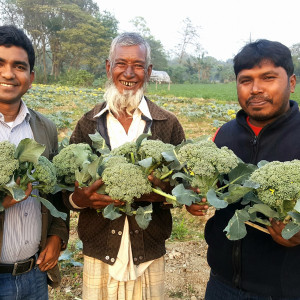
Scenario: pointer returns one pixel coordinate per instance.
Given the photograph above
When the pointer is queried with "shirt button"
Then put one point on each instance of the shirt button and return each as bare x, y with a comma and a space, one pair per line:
136, 231
107, 257
131, 232
141, 257
113, 231
112, 260
135, 259
26, 242
120, 233
26, 214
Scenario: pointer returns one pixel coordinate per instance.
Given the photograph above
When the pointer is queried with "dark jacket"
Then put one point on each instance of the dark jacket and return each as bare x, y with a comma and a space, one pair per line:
256, 263
102, 237
44, 132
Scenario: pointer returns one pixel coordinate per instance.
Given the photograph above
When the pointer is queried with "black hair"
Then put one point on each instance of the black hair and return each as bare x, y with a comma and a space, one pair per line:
10, 35
254, 53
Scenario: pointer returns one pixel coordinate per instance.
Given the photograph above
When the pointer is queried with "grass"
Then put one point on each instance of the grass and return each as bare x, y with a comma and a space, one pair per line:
216, 91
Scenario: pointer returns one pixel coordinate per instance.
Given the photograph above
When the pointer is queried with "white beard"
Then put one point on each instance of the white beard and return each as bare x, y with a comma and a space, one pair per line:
118, 102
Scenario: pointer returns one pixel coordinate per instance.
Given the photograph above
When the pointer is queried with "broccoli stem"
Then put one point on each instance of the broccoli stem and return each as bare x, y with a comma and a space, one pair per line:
132, 158
166, 175
228, 184
168, 196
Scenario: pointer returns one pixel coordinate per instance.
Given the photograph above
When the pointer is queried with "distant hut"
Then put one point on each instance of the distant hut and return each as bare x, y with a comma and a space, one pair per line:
160, 77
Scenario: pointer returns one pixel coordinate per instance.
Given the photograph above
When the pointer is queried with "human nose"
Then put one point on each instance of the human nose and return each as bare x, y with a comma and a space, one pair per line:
256, 87
7, 72
129, 71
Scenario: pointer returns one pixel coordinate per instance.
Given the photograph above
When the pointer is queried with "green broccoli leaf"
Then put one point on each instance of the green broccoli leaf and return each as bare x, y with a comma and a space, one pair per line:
16, 192
295, 216
236, 228
262, 163
241, 173
182, 176
297, 206
141, 138
146, 163
235, 193
185, 196
213, 199
53, 211
290, 230
98, 143
264, 209
143, 216
29, 150
111, 212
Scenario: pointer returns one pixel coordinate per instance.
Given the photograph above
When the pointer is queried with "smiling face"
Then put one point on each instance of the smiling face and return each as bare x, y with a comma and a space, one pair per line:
15, 75
264, 92
128, 70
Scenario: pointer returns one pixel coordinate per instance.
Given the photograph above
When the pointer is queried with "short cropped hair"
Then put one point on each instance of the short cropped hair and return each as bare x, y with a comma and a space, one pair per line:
129, 39
10, 35
254, 53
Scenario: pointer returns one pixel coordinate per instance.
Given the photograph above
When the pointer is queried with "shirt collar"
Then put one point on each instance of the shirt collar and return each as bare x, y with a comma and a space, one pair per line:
22, 115
143, 107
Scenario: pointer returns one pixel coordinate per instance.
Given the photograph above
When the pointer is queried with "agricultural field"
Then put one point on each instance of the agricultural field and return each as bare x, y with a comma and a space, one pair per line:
201, 109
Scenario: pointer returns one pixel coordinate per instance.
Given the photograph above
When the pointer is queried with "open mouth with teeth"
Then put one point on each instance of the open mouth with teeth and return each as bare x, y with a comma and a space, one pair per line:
5, 84
127, 83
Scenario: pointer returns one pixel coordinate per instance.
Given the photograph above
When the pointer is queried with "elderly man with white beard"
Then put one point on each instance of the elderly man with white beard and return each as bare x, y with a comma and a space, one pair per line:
122, 261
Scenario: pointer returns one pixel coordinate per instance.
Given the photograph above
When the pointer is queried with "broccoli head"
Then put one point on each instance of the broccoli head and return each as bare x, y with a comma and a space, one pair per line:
154, 149
205, 162
8, 163
279, 185
71, 158
125, 181
128, 150
45, 174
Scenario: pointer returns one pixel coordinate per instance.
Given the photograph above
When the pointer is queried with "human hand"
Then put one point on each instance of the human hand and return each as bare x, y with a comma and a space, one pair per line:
275, 231
9, 201
154, 197
48, 258
198, 209
88, 196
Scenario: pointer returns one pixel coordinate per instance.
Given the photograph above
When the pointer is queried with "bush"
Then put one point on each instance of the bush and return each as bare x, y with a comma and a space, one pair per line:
73, 77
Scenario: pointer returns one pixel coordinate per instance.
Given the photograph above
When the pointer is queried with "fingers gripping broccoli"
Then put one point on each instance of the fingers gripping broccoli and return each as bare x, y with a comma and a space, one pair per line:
279, 185
8, 164
71, 158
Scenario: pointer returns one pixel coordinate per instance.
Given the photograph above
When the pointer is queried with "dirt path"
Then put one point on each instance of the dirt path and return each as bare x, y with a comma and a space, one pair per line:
187, 271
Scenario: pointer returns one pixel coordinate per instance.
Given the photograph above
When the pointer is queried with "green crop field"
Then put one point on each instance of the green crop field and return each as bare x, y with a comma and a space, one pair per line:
200, 108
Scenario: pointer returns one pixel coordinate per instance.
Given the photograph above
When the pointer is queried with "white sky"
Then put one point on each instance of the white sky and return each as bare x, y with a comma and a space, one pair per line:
225, 24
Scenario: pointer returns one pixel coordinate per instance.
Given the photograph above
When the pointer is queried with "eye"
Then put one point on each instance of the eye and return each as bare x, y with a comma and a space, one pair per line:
120, 64
244, 81
269, 77
139, 67
21, 67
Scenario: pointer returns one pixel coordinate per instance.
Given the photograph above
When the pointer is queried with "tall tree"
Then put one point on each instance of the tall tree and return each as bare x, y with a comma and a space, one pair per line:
189, 36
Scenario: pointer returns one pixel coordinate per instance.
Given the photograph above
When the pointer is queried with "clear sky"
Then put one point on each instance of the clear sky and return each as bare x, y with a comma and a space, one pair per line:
226, 25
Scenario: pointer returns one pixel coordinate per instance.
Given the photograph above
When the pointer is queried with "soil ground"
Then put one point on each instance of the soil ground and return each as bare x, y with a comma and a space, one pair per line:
187, 271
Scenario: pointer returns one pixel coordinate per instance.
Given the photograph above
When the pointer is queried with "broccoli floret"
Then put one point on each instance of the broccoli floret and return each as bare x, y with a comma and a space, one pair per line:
72, 158
45, 174
125, 181
8, 164
205, 162
128, 150
154, 149
279, 185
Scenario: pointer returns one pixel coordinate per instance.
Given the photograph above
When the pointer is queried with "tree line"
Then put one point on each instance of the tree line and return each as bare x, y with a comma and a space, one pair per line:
72, 40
